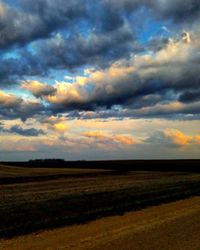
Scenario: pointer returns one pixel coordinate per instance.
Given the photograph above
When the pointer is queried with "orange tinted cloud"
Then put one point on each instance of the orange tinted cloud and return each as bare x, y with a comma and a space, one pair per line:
177, 137
94, 134
124, 139
60, 126
56, 123
197, 139
119, 139
9, 100
17, 145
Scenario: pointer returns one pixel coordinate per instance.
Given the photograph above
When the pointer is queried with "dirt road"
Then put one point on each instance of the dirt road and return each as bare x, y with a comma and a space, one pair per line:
170, 226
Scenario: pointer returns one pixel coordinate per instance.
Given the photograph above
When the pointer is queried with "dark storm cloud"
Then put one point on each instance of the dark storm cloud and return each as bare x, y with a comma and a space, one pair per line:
26, 132
179, 11
97, 50
145, 86
16, 129
13, 70
138, 82
111, 36
69, 35
29, 21
108, 19
13, 107
32, 20
154, 112
190, 96
60, 52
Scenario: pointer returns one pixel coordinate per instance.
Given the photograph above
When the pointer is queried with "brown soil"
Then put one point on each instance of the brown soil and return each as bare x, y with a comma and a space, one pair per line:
170, 226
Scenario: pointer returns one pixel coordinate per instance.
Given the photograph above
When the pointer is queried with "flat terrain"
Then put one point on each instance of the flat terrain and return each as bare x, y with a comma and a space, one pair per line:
20, 173
33, 199
173, 226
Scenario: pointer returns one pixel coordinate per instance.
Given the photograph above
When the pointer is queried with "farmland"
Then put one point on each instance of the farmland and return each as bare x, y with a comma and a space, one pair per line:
173, 226
33, 199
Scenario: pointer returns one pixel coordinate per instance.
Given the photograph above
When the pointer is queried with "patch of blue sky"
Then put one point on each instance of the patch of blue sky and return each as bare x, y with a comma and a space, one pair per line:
14, 54
150, 27
14, 3
84, 28
57, 76
21, 93
61, 76
48, 79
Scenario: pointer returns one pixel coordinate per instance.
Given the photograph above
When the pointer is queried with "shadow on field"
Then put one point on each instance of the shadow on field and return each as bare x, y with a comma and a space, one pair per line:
19, 219
164, 165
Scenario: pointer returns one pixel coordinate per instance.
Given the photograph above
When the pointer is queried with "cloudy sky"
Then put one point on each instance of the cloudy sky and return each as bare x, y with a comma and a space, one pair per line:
99, 79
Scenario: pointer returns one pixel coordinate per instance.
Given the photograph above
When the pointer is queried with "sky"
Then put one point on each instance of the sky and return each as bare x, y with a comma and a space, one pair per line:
99, 79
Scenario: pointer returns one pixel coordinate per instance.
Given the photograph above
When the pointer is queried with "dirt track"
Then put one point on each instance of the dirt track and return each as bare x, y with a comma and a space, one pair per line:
170, 226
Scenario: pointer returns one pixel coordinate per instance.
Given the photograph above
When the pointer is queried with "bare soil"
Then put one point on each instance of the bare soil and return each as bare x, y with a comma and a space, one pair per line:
173, 226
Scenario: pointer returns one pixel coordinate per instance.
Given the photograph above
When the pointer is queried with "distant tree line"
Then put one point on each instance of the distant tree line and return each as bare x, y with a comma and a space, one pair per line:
47, 160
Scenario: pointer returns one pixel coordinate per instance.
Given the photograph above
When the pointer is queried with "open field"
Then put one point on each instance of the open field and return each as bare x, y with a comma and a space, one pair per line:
12, 171
171, 226
33, 199
178, 165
